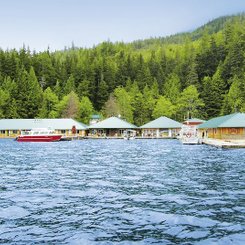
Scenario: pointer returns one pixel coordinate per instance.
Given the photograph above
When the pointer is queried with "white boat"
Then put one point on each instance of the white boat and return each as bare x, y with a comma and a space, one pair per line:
190, 140
129, 134
188, 135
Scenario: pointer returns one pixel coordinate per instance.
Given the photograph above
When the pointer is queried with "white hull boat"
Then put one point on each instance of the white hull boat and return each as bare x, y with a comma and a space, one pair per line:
129, 134
190, 141
188, 135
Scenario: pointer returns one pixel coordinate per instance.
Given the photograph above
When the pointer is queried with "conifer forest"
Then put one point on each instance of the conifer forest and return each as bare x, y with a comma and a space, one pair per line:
195, 74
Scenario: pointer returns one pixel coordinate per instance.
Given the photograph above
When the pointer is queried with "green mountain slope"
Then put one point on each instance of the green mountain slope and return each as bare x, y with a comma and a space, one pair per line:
200, 73
212, 27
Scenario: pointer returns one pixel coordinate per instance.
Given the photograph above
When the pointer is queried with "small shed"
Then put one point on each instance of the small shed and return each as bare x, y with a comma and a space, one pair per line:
110, 127
10, 128
162, 127
95, 118
225, 127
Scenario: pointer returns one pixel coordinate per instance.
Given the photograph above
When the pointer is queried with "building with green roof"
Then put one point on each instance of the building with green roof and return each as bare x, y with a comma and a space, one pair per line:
110, 127
95, 118
225, 127
161, 127
10, 128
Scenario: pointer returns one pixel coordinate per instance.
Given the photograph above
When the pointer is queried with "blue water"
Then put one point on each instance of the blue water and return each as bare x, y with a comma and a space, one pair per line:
121, 192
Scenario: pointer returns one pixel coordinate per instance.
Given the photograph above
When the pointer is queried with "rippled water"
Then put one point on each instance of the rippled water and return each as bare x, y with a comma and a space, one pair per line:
120, 192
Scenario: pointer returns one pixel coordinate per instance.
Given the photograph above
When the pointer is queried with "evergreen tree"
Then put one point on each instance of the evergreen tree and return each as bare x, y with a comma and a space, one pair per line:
58, 90
44, 69
4, 97
150, 97
234, 63
83, 89
102, 94
213, 94
143, 73
109, 74
133, 88
171, 88
137, 102
208, 61
235, 97
10, 90
121, 75
192, 77
70, 85
29, 95
34, 100
11, 110
155, 89
49, 104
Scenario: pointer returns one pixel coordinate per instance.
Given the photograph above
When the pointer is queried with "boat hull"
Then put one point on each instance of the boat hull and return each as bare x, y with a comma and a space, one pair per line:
39, 138
190, 141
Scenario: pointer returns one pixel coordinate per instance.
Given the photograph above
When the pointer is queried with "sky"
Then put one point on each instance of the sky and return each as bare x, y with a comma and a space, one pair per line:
56, 24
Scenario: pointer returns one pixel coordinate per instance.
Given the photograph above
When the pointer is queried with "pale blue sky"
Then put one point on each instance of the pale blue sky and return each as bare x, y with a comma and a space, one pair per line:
58, 23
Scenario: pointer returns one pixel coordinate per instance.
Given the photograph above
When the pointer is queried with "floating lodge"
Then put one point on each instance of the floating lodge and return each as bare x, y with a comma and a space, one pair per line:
161, 127
225, 131
229, 129
110, 127
11, 128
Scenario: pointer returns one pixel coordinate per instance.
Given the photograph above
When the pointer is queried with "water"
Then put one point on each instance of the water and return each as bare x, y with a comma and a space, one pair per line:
120, 192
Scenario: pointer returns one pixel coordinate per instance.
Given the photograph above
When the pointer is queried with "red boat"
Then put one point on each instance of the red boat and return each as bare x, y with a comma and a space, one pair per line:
39, 135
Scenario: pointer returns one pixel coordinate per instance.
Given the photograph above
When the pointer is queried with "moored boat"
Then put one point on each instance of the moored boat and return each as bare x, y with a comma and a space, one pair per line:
129, 134
188, 135
190, 140
39, 135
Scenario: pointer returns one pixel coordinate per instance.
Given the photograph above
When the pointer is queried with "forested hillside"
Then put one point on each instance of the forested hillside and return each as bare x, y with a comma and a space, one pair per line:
199, 74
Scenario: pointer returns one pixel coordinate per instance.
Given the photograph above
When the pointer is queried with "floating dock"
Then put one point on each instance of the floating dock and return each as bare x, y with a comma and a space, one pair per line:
225, 143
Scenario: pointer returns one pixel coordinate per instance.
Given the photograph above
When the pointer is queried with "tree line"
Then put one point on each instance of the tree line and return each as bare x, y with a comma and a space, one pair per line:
199, 74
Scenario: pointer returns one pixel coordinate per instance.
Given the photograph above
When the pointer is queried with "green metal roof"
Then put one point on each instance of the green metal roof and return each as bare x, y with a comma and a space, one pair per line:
24, 124
235, 120
162, 122
113, 122
95, 116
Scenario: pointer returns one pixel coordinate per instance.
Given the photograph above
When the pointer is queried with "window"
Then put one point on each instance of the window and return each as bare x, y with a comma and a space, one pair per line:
233, 131
63, 131
121, 131
2, 131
